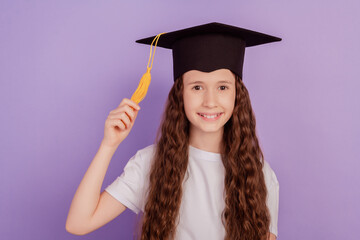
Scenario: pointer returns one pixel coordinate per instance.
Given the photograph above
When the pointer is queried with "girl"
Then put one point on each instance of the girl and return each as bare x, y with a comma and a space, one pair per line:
205, 177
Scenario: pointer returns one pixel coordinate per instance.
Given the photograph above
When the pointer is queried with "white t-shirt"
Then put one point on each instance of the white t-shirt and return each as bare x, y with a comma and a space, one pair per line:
203, 192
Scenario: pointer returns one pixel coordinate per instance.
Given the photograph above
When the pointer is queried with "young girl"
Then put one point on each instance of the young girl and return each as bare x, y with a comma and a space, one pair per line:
205, 177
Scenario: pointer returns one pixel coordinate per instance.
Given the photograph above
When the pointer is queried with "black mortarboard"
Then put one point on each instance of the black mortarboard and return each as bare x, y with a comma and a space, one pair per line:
209, 47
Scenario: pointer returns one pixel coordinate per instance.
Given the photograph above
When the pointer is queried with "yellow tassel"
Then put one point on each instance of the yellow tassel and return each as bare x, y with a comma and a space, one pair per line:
145, 80
141, 90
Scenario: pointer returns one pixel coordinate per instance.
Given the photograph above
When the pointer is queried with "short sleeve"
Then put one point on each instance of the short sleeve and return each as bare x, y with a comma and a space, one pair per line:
129, 188
272, 200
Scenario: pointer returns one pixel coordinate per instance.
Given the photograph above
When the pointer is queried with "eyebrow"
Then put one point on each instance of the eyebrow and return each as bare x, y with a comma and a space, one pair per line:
223, 81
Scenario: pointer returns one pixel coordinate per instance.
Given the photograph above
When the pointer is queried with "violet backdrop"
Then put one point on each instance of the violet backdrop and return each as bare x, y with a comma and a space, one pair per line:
64, 65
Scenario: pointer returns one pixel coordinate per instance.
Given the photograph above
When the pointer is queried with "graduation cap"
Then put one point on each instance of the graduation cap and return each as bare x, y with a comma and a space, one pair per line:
206, 48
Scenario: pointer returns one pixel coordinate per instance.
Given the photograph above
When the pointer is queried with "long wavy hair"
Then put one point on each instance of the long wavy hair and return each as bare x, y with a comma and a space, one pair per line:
245, 215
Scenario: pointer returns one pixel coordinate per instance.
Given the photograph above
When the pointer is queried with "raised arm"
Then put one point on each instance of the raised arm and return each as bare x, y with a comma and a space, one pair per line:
89, 208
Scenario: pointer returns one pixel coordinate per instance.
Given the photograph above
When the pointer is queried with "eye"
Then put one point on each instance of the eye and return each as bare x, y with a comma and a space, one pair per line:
224, 87
196, 87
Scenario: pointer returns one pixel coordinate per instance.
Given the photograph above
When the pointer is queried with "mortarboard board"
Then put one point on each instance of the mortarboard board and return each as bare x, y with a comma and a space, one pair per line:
208, 47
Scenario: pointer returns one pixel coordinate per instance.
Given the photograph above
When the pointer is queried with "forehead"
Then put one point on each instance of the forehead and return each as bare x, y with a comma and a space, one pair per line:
208, 77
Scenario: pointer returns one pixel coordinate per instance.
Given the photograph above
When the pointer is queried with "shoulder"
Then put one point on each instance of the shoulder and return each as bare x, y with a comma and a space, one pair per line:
269, 175
139, 164
143, 157
147, 151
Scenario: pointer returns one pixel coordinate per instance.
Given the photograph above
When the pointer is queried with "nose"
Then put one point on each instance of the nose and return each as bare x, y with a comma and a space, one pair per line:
209, 99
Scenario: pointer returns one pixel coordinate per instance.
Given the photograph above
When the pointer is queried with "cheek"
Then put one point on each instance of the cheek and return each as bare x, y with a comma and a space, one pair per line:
228, 101
232, 100
190, 100
187, 103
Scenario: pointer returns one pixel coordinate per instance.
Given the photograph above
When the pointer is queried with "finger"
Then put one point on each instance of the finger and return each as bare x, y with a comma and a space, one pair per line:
132, 104
122, 107
118, 123
125, 118
121, 115
130, 112
117, 110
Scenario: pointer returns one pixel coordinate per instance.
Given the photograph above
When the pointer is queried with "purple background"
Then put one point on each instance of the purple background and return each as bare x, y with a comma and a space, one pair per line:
65, 65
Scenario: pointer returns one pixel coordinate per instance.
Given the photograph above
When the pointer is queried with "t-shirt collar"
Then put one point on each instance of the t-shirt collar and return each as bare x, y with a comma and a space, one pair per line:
204, 155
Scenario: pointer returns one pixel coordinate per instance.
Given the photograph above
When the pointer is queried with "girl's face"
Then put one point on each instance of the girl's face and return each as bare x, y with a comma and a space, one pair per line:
209, 99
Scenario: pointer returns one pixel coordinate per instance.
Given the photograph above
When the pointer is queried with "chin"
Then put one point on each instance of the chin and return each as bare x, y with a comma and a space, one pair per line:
211, 129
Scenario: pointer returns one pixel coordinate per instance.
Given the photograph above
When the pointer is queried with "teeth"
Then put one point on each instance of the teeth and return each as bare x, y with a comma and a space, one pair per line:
210, 116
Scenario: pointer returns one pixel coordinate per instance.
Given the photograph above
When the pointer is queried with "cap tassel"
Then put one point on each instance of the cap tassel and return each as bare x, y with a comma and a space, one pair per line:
145, 80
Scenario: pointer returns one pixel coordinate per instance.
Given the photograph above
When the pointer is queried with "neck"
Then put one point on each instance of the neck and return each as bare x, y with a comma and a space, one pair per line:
207, 141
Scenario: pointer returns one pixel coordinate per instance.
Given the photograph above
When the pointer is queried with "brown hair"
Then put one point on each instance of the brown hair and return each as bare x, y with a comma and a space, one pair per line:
246, 215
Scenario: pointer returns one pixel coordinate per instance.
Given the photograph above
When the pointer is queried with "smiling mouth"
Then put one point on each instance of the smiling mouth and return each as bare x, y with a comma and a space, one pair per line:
210, 116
